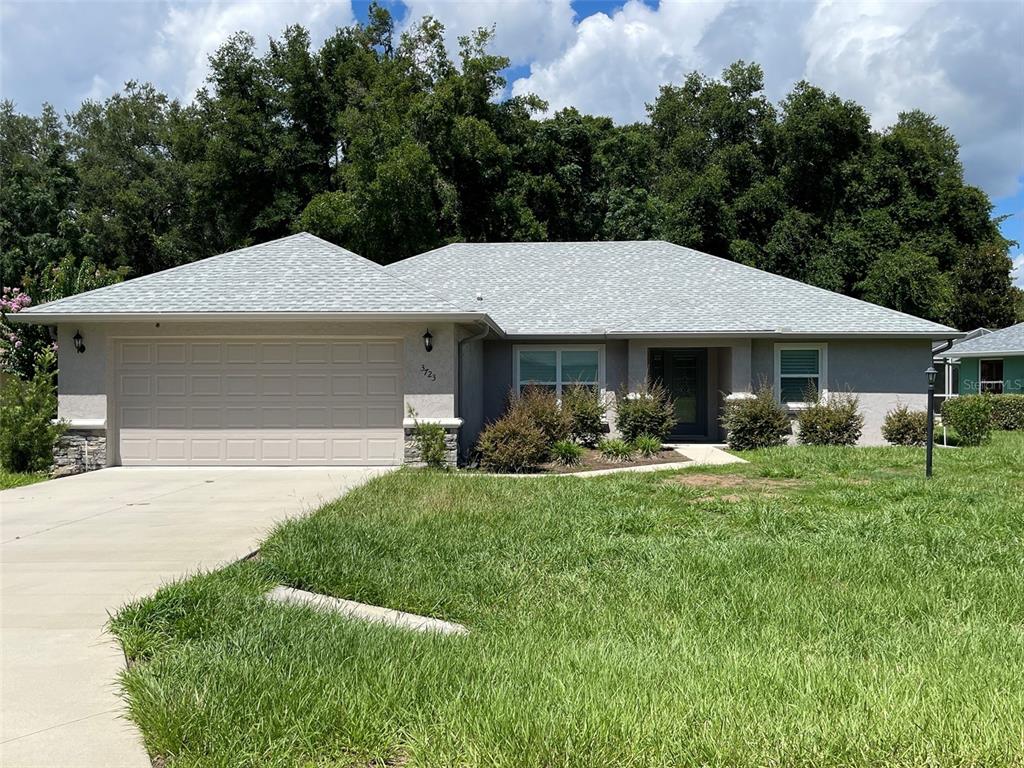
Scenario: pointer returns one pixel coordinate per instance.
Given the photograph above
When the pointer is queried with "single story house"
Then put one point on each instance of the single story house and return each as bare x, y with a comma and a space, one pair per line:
297, 351
990, 362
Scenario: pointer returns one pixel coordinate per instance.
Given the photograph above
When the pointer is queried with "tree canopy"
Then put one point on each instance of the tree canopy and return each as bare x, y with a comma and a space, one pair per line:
388, 145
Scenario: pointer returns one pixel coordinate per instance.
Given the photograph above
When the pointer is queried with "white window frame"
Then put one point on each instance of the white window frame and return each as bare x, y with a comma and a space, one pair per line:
558, 349
822, 371
982, 382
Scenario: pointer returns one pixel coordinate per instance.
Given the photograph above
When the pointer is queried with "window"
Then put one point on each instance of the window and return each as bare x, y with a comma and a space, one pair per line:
991, 376
798, 369
556, 368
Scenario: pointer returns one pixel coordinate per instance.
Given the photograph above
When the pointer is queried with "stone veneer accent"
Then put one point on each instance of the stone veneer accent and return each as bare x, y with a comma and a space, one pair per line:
451, 441
80, 450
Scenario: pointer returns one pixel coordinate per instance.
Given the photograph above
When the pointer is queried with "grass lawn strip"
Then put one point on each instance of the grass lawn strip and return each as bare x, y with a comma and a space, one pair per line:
853, 615
18, 479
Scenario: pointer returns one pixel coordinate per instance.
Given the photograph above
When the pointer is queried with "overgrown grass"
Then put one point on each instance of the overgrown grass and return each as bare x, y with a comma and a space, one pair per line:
18, 479
818, 607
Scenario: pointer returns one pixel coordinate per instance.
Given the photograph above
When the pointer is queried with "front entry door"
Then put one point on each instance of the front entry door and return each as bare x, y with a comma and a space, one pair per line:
684, 373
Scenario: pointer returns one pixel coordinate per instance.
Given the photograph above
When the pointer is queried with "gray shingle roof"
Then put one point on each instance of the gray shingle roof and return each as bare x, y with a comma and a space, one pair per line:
640, 287
300, 273
1009, 341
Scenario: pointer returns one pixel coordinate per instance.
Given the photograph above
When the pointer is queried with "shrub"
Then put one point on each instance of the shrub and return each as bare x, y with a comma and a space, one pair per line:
587, 410
903, 426
567, 452
832, 421
27, 431
429, 439
647, 412
756, 422
970, 416
542, 408
513, 443
647, 445
1008, 411
615, 449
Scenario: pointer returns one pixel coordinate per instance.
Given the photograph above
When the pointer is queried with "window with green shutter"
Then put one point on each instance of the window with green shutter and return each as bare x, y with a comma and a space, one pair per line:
799, 372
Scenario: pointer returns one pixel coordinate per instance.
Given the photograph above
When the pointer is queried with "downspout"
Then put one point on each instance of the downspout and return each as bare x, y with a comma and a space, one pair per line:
947, 375
484, 330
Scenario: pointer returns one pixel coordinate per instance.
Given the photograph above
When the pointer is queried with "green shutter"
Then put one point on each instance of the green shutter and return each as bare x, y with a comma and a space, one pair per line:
798, 362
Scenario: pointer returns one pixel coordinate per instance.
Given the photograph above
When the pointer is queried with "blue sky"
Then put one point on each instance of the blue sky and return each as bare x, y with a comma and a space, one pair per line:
961, 60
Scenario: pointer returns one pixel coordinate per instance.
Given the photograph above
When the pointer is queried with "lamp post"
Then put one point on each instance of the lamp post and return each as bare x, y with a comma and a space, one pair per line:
931, 373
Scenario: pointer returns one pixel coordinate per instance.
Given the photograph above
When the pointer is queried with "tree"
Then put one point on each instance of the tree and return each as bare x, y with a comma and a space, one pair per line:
984, 292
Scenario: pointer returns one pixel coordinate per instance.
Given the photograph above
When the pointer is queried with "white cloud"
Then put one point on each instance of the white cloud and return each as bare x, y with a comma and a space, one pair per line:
526, 30
190, 32
1018, 270
959, 60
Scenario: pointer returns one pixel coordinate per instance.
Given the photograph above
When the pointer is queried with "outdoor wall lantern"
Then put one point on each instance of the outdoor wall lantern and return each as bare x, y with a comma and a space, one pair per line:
79, 342
931, 374
428, 341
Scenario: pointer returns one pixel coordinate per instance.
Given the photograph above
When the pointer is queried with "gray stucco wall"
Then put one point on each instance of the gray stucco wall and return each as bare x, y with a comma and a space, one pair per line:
470, 399
881, 372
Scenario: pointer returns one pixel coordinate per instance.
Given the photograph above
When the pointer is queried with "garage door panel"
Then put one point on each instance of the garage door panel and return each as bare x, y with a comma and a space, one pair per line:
205, 353
251, 402
171, 353
312, 352
170, 385
171, 417
382, 384
241, 353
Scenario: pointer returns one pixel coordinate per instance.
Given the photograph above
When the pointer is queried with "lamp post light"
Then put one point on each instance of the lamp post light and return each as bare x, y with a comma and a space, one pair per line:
931, 373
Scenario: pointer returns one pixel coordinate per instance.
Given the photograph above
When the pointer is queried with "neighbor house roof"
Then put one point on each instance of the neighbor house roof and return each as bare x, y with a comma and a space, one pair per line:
297, 275
1009, 341
653, 287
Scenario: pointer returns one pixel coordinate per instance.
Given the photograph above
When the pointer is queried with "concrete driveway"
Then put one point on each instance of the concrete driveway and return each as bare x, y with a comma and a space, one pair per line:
74, 549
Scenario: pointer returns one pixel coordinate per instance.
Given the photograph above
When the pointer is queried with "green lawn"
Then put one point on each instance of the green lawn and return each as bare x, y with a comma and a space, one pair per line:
818, 607
18, 479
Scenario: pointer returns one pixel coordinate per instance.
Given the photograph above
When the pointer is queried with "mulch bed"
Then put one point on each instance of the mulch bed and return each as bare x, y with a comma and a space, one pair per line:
592, 459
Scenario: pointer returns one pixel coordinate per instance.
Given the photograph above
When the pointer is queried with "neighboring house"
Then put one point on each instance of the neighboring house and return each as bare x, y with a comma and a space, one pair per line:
947, 383
297, 351
992, 362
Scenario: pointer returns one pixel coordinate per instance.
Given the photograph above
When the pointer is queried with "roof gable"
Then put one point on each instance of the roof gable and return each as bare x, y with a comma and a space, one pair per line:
649, 287
296, 274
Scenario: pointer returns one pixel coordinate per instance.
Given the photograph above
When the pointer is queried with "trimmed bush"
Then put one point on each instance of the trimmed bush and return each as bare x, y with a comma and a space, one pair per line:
756, 422
567, 452
903, 426
1008, 412
647, 412
586, 409
542, 408
832, 421
513, 443
970, 416
615, 449
647, 445
27, 431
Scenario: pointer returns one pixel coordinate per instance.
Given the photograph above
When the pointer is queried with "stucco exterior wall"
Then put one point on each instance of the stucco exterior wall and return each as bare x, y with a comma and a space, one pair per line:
470, 394
881, 372
1013, 374
85, 379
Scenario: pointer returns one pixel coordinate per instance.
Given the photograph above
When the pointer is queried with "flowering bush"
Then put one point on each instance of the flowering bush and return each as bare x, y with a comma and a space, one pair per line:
21, 344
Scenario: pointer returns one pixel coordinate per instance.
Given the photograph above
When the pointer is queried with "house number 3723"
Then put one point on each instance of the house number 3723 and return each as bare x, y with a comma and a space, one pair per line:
428, 373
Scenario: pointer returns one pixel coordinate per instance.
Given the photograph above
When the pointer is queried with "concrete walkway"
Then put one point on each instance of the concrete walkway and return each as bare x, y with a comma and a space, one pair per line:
74, 549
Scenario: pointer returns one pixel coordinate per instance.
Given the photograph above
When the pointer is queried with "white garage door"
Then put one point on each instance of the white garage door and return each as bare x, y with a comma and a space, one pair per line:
259, 401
